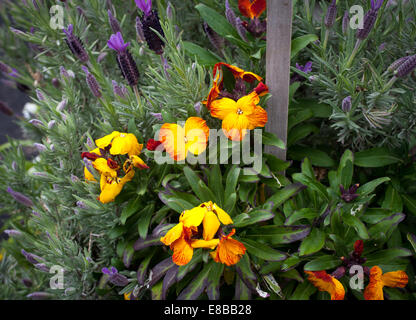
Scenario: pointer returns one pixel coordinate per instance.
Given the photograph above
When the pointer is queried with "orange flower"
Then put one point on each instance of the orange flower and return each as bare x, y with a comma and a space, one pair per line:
218, 80
229, 251
178, 140
374, 290
325, 282
180, 239
252, 8
239, 116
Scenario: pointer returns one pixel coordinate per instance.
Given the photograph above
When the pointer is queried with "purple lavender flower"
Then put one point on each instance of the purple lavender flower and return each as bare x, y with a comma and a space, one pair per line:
369, 19
40, 147
42, 267
27, 282
157, 116
331, 14
39, 295
345, 22
240, 28
12, 72
64, 73
62, 105
74, 178
397, 63
406, 67
339, 272
229, 14
30, 257
150, 19
117, 89
125, 61
198, 107
306, 69
346, 104
40, 95
139, 30
81, 205
115, 278
349, 195
215, 39
92, 83
56, 83
19, 197
12, 232
169, 11
75, 44
115, 26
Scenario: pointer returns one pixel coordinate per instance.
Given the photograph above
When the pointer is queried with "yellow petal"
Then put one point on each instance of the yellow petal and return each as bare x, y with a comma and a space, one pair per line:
395, 279
235, 126
138, 163
173, 234
222, 215
325, 282
125, 143
193, 217
211, 225
101, 165
110, 191
105, 141
88, 175
222, 107
211, 244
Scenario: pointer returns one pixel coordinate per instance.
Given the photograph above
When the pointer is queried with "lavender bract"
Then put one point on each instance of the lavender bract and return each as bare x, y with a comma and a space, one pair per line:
92, 83
331, 14
19, 197
75, 44
369, 19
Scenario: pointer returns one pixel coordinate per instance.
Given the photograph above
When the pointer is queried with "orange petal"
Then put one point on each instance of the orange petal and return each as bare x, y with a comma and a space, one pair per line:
223, 107
395, 279
258, 118
235, 126
197, 134
182, 252
325, 282
374, 290
138, 163
229, 251
172, 137
211, 244
245, 8
173, 234
258, 7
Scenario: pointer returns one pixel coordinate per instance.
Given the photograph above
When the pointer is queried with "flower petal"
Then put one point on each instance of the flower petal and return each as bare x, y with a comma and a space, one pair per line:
211, 244
235, 126
211, 225
172, 137
197, 134
395, 279
173, 234
138, 163
223, 107
103, 142
222, 215
229, 251
193, 217
325, 282
182, 252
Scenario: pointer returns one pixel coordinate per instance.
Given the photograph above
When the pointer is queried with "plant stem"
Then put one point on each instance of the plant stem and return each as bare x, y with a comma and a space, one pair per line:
389, 84
325, 40
354, 52
136, 92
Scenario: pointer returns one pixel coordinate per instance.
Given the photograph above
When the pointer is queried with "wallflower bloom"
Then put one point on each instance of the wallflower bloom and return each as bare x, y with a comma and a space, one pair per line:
252, 8
229, 251
184, 237
111, 187
178, 140
325, 282
374, 290
121, 143
239, 116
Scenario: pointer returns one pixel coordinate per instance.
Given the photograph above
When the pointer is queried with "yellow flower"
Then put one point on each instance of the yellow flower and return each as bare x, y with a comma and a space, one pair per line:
121, 143
326, 282
374, 290
229, 251
239, 116
178, 140
111, 187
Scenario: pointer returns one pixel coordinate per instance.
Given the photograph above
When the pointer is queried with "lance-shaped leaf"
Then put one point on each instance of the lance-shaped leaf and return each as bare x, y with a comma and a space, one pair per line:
410, 203
148, 242
175, 203
169, 280
142, 270
160, 270
216, 21
215, 184
385, 256
204, 56
375, 158
231, 181
312, 184
246, 274
384, 228
303, 291
279, 234
369, 187
412, 239
285, 193
144, 220
252, 217
242, 292
323, 263
197, 185
128, 255
262, 251
357, 224
304, 213
312, 243
130, 209
214, 277
198, 285
184, 270
301, 42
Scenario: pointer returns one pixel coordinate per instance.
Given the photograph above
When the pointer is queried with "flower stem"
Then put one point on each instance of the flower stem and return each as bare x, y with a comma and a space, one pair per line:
389, 84
325, 40
136, 92
353, 54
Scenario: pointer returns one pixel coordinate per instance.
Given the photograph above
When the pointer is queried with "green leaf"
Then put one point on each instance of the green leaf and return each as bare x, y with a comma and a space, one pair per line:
383, 229
301, 131
409, 202
323, 263
412, 239
203, 56
197, 285
298, 117
215, 183
230, 202
275, 164
214, 277
197, 185
375, 158
312, 243
356, 223
252, 217
369, 187
387, 255
304, 213
279, 234
317, 157
231, 181
303, 291
319, 110
392, 200
262, 251
301, 42
285, 193
130, 209
312, 183
271, 139
144, 220
216, 21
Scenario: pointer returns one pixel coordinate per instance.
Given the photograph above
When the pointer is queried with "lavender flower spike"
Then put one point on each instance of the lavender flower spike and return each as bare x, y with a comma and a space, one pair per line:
346, 104
331, 14
406, 67
19, 197
229, 13
369, 19
115, 26
92, 83
145, 6
115, 278
75, 44
125, 61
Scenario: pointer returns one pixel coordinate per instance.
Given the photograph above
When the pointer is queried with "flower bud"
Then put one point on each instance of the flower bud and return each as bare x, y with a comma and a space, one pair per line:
346, 104
19, 197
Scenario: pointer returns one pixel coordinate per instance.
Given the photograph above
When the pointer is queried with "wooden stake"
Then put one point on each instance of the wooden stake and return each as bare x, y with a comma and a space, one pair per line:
279, 34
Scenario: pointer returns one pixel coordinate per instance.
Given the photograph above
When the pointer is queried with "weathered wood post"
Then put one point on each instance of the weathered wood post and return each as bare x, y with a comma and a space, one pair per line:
279, 33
